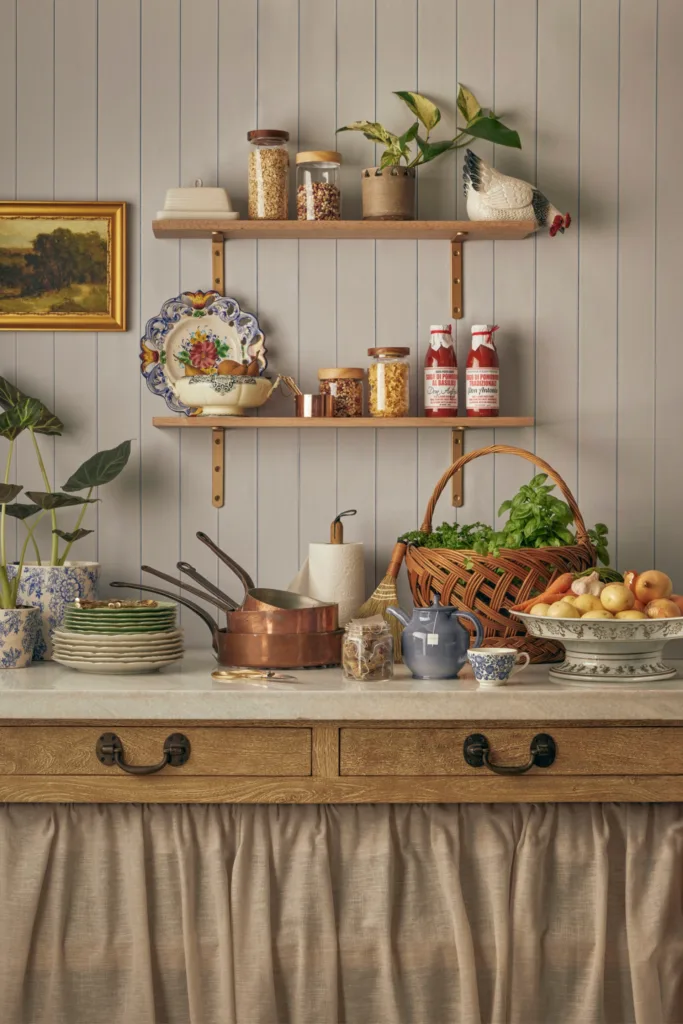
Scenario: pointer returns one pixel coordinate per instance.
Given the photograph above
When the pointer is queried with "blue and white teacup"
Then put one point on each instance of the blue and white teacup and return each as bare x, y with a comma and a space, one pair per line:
493, 666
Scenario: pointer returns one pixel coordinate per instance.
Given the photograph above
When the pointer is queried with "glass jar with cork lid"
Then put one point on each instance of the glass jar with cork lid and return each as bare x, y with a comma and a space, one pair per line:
389, 381
318, 195
345, 384
268, 174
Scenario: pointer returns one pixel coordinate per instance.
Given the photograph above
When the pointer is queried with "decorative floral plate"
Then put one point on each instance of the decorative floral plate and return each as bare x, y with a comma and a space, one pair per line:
199, 334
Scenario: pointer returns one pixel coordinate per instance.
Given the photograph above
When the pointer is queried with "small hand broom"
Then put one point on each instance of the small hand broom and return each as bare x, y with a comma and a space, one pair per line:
386, 596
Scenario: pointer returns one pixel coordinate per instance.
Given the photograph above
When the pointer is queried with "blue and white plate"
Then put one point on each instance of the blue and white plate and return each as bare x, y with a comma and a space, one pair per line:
198, 333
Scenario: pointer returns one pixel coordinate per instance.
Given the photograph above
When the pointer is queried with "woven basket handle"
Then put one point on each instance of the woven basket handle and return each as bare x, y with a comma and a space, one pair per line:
506, 449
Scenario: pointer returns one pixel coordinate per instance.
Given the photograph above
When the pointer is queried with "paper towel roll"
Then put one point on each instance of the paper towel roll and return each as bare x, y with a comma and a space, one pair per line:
334, 573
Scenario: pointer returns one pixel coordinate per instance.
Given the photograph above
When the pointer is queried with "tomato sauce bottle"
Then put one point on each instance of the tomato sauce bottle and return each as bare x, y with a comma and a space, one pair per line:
482, 374
441, 373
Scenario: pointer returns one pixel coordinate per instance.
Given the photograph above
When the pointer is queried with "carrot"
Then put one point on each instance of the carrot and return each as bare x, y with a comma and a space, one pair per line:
562, 584
558, 589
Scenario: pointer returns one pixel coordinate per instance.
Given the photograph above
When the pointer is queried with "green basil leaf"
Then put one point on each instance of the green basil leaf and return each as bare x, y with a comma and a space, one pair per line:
504, 507
100, 468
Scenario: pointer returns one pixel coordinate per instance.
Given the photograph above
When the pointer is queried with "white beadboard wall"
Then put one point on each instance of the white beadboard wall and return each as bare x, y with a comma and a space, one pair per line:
120, 99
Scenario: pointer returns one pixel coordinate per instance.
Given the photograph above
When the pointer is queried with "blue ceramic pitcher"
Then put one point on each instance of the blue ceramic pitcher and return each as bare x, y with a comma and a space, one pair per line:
434, 644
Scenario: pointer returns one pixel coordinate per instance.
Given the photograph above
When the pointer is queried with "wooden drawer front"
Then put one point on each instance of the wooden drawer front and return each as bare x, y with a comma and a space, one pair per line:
68, 750
580, 751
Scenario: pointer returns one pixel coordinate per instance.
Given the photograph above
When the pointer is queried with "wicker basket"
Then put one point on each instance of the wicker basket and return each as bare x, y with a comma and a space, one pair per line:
494, 584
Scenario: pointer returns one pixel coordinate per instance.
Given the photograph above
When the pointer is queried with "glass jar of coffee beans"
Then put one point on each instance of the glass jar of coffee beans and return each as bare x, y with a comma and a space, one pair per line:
318, 196
268, 174
345, 383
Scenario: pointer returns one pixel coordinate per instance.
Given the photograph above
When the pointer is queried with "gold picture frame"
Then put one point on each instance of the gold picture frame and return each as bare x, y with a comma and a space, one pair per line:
72, 281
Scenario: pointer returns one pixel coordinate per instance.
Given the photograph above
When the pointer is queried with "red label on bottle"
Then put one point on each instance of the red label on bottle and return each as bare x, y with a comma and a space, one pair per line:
482, 387
441, 388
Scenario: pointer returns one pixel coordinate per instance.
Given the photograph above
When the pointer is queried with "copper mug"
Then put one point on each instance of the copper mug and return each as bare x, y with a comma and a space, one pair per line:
314, 406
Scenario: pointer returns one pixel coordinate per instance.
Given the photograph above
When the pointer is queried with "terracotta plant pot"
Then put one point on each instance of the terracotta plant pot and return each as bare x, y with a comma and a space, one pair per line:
388, 193
50, 588
19, 633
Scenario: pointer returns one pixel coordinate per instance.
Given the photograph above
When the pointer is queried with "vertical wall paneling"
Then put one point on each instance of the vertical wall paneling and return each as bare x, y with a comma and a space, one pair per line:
237, 114
635, 370
557, 258
356, 265
514, 264
198, 160
35, 180
75, 130
436, 187
317, 270
119, 381
159, 274
8, 184
599, 186
669, 359
278, 293
396, 269
475, 43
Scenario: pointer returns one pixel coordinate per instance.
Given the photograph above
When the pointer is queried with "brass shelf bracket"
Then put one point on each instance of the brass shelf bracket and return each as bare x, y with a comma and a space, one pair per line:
217, 467
456, 274
217, 262
457, 480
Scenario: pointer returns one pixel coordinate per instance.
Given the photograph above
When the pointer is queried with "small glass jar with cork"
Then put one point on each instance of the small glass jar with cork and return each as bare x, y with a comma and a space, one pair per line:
318, 195
345, 384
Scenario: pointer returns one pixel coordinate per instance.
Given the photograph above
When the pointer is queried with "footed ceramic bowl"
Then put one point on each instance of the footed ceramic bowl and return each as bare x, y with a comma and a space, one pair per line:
223, 394
600, 651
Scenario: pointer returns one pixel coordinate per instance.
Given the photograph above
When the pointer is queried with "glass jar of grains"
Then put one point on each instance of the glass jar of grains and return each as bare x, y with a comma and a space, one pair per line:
345, 383
368, 650
318, 196
268, 174
389, 382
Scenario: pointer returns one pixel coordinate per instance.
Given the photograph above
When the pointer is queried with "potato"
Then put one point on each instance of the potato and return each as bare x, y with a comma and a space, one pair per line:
562, 610
540, 609
600, 613
587, 603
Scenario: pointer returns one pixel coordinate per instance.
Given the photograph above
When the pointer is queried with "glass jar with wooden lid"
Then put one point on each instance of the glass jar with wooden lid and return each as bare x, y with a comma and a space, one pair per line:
389, 381
345, 384
318, 195
268, 174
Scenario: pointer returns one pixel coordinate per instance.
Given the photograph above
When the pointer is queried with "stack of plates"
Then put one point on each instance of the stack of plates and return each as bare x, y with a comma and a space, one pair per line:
119, 640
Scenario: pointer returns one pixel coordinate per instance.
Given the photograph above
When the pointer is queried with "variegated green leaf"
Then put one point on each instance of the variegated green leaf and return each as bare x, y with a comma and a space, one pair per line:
372, 130
468, 104
423, 108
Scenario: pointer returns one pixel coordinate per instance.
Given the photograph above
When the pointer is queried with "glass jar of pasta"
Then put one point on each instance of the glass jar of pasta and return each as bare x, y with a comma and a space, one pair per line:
389, 381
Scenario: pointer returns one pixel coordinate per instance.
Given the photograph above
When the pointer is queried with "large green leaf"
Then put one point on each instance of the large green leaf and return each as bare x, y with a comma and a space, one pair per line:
8, 492
74, 535
9, 394
493, 130
409, 135
100, 468
55, 499
423, 108
372, 130
19, 511
19, 417
44, 422
430, 150
468, 104
48, 423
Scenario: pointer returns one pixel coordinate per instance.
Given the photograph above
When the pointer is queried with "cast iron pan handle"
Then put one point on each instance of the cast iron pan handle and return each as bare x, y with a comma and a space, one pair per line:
542, 752
109, 750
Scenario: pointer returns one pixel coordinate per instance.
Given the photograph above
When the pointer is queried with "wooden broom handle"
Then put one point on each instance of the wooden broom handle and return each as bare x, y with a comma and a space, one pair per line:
506, 449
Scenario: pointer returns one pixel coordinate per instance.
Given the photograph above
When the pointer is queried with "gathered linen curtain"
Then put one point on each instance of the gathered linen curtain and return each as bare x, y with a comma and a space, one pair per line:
415, 914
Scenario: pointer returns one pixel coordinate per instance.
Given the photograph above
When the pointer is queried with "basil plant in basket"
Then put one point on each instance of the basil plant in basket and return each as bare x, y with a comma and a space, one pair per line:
39, 590
389, 189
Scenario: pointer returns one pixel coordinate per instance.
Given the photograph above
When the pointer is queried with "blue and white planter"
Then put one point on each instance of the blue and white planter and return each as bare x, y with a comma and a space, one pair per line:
50, 588
19, 634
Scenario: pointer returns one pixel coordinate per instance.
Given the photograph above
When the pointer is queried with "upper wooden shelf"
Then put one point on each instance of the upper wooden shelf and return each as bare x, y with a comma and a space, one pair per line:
296, 423
450, 230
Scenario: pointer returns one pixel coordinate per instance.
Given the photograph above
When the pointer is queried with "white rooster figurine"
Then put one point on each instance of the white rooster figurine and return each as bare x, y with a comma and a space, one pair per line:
494, 196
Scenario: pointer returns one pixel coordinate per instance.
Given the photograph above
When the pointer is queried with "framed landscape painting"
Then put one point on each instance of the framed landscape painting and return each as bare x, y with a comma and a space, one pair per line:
62, 266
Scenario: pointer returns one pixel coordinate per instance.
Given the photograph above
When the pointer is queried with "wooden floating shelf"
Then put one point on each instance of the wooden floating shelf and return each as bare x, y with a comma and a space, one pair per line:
296, 423
448, 230
219, 424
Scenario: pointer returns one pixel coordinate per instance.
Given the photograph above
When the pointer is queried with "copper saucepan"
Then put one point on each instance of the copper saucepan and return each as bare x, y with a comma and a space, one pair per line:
299, 620
260, 650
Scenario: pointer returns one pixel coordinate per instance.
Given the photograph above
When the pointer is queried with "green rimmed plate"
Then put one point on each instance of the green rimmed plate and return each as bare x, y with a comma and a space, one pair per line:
161, 606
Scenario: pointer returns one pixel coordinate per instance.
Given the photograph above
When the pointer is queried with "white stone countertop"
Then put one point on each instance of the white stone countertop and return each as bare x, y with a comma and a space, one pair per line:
186, 692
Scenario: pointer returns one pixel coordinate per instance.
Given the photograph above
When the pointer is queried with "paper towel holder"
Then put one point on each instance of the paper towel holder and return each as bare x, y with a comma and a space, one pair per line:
337, 527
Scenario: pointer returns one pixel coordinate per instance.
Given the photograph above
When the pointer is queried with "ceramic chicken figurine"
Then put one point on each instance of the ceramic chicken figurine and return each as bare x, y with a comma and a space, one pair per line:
494, 196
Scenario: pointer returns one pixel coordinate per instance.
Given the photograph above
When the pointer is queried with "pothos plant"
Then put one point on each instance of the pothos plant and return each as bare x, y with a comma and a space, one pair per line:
479, 124
23, 413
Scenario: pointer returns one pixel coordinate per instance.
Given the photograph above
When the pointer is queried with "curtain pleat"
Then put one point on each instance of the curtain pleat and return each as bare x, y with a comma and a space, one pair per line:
415, 914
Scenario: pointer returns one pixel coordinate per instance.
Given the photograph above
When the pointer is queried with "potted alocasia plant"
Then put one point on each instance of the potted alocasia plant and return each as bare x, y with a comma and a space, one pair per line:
50, 584
389, 189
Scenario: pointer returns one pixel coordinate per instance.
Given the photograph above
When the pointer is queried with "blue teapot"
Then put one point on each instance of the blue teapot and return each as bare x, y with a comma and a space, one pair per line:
434, 644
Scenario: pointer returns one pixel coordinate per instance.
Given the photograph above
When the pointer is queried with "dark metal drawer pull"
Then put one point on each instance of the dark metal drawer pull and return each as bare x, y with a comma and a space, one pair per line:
109, 750
542, 749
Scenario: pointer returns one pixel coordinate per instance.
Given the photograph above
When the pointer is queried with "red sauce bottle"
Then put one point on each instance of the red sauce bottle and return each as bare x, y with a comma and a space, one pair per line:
441, 373
482, 373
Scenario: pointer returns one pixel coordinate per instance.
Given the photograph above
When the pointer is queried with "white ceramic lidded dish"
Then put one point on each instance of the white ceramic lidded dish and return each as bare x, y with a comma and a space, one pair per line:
198, 203
621, 652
